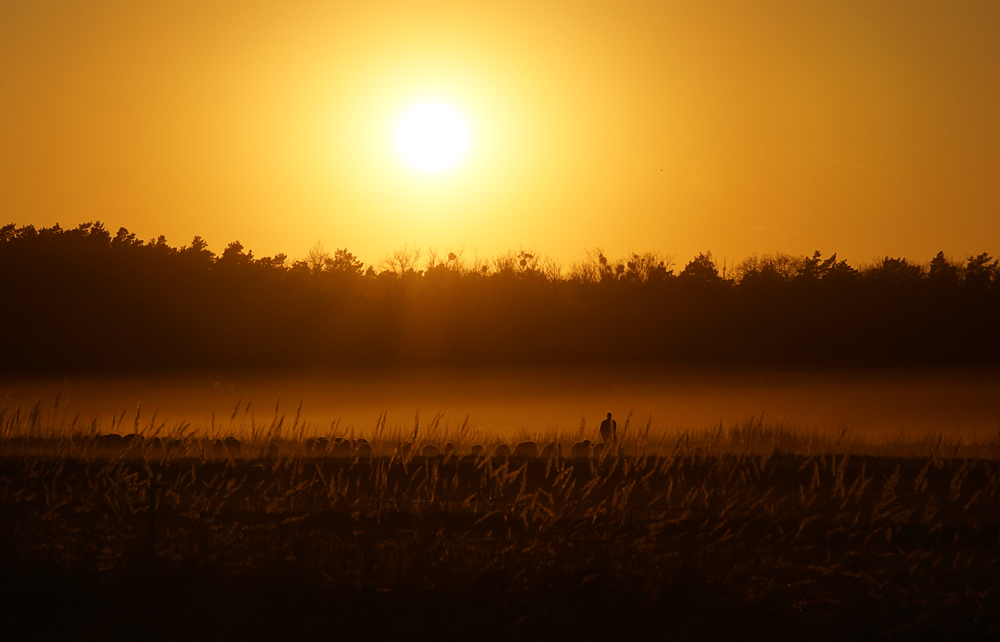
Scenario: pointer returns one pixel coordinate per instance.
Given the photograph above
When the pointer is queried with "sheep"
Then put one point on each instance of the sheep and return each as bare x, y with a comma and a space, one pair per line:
112, 440
430, 451
233, 446
321, 445
553, 450
218, 449
477, 450
156, 447
598, 451
341, 447
502, 451
131, 440
272, 451
449, 449
581, 450
310, 445
363, 448
526, 449
175, 446
110, 443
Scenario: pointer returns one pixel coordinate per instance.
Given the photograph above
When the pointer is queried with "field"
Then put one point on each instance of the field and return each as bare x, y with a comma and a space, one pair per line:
750, 530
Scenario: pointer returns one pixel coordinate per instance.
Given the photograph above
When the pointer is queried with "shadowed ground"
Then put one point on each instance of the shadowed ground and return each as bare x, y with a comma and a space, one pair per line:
694, 545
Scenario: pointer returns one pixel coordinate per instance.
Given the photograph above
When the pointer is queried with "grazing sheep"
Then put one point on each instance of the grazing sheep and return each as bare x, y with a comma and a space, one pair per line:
321, 445
477, 450
218, 448
341, 447
430, 451
553, 450
156, 447
131, 441
526, 449
175, 446
449, 449
233, 446
272, 451
311, 445
598, 451
581, 450
502, 451
363, 448
110, 443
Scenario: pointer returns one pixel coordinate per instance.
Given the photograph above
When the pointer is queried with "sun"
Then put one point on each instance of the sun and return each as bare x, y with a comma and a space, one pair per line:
432, 137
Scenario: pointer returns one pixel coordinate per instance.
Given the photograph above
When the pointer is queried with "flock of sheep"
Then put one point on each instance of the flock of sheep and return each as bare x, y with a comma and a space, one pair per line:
336, 448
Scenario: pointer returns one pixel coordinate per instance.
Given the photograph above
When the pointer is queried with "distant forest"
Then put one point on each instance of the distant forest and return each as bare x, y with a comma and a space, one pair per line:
87, 300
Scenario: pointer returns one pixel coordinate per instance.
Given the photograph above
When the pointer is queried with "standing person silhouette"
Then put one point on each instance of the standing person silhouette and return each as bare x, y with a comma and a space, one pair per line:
609, 430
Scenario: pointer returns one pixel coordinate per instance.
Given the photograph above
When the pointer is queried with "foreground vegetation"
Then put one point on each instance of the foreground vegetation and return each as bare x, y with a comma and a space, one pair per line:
749, 531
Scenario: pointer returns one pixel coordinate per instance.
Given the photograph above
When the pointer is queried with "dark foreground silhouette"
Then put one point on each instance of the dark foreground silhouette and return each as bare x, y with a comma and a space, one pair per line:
86, 300
711, 542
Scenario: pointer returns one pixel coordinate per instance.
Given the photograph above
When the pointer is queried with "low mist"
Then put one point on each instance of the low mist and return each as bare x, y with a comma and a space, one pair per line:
870, 405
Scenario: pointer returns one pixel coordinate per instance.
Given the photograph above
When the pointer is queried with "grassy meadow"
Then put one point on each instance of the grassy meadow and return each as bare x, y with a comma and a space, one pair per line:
754, 530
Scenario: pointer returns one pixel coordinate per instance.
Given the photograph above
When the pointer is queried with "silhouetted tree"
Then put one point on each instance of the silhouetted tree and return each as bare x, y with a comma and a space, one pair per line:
980, 271
702, 268
80, 298
943, 273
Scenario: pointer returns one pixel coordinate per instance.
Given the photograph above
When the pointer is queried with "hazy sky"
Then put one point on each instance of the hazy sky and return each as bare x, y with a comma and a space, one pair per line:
862, 127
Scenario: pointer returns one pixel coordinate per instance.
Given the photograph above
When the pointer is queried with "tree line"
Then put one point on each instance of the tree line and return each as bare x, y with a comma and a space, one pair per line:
83, 299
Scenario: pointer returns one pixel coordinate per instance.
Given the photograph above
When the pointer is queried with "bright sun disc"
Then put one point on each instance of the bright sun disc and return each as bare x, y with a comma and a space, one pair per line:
432, 137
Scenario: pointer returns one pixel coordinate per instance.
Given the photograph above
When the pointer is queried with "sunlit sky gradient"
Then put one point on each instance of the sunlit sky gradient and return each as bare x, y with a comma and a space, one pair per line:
857, 126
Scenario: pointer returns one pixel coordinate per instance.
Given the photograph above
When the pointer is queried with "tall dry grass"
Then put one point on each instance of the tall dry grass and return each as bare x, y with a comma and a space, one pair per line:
758, 514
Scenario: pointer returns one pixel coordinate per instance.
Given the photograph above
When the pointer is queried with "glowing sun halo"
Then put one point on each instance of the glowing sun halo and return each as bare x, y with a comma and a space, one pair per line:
432, 137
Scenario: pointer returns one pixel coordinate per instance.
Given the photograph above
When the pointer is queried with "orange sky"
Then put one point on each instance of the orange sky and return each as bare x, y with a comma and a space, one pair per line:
861, 127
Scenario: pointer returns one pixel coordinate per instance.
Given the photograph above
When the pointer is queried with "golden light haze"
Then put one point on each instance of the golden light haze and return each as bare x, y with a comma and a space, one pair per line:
861, 127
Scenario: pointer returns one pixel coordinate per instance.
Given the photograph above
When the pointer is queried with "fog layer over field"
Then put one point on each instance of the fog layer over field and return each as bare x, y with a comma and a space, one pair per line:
872, 406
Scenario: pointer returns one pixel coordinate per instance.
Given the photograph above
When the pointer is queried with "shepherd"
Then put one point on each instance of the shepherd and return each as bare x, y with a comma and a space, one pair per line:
609, 430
